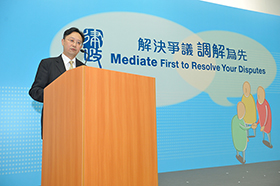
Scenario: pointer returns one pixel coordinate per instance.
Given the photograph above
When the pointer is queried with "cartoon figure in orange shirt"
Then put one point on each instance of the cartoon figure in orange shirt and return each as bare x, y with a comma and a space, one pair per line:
250, 106
264, 112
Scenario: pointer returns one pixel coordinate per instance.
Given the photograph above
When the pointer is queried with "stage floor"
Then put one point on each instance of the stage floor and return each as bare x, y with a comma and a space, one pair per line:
257, 174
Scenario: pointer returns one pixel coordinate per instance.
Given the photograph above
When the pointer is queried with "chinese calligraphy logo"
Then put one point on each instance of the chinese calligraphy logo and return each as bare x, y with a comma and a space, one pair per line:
93, 44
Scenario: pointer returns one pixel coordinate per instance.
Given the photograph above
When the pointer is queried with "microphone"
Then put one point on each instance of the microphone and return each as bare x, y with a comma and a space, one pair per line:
84, 51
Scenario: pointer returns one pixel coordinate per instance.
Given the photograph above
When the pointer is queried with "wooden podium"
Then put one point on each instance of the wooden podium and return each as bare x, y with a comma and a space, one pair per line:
99, 129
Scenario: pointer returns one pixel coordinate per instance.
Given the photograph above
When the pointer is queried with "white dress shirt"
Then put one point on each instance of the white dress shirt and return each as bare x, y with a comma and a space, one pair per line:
66, 61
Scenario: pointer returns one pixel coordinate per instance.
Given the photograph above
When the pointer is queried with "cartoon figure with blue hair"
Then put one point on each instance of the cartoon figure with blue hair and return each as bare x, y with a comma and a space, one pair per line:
239, 132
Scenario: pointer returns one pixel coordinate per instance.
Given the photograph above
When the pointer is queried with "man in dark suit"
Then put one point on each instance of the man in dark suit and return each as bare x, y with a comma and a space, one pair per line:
51, 68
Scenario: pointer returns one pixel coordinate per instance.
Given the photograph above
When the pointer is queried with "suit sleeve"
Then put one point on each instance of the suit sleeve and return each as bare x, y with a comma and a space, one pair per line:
41, 81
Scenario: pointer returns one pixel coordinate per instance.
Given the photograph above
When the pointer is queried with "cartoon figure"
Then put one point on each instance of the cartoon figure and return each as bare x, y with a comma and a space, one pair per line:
239, 132
250, 106
264, 112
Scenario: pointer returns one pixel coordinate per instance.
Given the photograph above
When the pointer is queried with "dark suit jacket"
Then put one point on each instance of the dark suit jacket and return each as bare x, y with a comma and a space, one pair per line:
49, 69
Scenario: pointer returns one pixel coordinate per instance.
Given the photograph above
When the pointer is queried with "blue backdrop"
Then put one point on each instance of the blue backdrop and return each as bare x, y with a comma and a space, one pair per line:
193, 133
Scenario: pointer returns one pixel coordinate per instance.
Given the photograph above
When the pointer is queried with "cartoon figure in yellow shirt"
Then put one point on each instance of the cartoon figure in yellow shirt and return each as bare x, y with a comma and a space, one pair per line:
250, 106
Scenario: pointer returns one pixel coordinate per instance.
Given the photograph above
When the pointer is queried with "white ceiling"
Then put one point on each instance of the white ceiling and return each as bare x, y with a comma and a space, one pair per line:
264, 6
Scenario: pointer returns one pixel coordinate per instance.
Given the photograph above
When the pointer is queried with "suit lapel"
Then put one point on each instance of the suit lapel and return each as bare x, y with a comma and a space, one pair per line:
60, 64
79, 63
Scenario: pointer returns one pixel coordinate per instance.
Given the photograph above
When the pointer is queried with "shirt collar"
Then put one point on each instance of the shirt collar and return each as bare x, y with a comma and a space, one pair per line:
66, 60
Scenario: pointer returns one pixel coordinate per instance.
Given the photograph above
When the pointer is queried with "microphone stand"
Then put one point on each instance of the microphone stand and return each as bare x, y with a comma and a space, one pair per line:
83, 51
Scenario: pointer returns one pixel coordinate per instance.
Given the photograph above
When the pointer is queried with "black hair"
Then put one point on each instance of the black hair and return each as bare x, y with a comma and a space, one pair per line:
71, 30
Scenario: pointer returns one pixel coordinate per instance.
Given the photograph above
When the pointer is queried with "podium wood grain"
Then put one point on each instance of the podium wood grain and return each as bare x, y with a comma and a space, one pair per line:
106, 133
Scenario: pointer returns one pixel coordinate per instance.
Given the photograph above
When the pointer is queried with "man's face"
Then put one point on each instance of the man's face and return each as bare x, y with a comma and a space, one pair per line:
72, 44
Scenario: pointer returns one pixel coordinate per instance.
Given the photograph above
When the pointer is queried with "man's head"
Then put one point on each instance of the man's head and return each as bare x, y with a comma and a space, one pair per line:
72, 42
73, 29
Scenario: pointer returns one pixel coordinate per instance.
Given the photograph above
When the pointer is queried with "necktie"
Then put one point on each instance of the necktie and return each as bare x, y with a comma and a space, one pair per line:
71, 65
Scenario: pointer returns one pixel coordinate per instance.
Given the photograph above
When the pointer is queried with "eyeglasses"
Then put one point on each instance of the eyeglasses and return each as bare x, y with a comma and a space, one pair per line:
72, 41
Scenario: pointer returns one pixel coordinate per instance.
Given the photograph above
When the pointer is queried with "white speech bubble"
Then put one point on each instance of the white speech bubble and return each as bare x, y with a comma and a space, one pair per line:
228, 81
201, 70
121, 33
